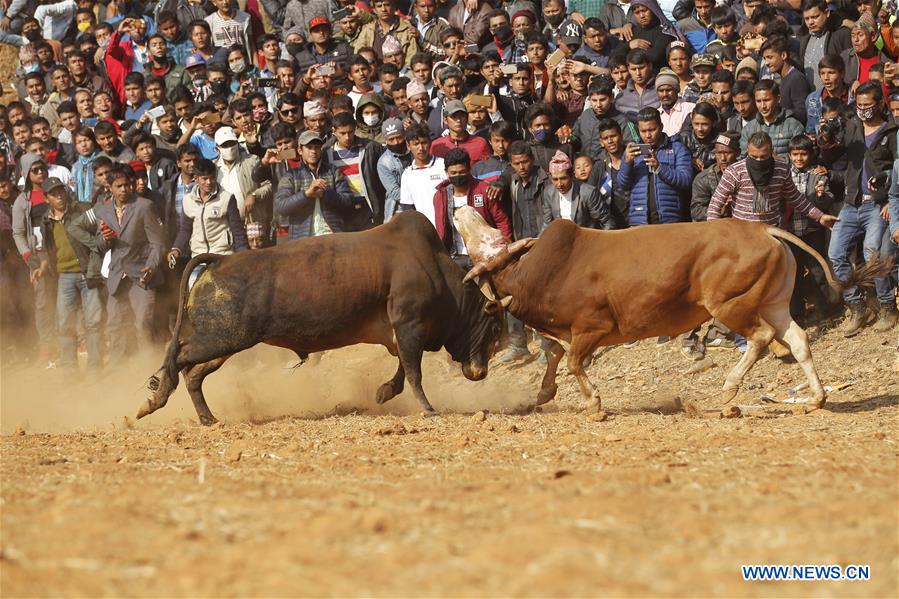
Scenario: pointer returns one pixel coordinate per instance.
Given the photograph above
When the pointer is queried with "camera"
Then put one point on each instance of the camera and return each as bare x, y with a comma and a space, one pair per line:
340, 13
267, 83
830, 130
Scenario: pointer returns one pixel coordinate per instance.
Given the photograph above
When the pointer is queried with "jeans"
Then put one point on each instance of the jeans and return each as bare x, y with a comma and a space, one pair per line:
10, 36
131, 306
44, 313
862, 220
71, 290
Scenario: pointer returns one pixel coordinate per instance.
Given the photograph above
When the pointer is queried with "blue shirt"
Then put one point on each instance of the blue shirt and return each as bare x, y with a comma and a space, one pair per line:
205, 144
181, 190
179, 51
132, 113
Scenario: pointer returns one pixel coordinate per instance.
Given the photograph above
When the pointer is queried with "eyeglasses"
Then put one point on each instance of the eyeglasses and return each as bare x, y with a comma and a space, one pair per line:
452, 44
38, 169
290, 110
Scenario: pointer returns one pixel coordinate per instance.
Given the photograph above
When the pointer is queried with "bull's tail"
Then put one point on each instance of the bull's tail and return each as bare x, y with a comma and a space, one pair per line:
862, 276
165, 381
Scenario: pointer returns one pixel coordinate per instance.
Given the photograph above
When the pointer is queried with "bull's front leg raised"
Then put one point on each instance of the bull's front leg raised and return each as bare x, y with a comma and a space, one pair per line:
393, 387
410, 352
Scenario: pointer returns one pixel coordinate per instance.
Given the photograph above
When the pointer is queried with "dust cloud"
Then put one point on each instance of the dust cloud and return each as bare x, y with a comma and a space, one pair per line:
254, 386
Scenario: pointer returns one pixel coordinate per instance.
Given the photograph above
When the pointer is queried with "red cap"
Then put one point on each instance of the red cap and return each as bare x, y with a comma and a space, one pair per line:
317, 21
137, 166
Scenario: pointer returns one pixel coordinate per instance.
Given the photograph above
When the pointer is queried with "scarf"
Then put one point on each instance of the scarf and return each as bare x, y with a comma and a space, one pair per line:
84, 177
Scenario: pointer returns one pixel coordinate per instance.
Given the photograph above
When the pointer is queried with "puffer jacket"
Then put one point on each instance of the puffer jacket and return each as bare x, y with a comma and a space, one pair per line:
782, 130
291, 200
373, 132
675, 174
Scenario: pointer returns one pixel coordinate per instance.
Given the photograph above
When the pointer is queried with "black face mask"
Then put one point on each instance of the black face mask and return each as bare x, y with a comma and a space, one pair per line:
34, 36
473, 81
294, 48
398, 149
555, 20
219, 88
458, 180
760, 171
503, 34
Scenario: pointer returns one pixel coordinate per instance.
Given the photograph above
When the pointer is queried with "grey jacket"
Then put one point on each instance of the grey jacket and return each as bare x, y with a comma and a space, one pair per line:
587, 208
703, 187
139, 242
22, 227
298, 13
782, 130
585, 133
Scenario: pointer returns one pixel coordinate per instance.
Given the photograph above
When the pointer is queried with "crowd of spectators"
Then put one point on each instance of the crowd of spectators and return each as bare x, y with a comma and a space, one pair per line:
146, 132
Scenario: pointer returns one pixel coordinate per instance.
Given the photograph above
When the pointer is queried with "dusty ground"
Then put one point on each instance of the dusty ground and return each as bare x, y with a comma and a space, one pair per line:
298, 494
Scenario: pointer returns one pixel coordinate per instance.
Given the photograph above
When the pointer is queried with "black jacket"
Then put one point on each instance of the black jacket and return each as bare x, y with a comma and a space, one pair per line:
703, 187
879, 159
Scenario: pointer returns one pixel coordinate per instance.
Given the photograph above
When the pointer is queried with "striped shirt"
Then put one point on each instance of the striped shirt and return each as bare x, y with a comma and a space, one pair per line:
736, 194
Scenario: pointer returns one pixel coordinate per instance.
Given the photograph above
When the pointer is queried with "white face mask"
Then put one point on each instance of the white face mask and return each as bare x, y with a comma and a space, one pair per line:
237, 66
371, 119
230, 154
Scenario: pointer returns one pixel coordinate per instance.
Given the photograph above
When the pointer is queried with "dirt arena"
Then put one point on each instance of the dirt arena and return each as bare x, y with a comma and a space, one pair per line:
308, 488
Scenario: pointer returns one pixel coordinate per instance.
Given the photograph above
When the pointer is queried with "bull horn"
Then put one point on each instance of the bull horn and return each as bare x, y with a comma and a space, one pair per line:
484, 285
478, 269
506, 301
522, 245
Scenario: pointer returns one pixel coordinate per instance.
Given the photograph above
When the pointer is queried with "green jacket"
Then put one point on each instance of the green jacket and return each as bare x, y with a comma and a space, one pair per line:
81, 228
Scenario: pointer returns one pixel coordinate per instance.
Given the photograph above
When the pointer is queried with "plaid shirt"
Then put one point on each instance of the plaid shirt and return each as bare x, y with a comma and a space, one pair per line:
588, 8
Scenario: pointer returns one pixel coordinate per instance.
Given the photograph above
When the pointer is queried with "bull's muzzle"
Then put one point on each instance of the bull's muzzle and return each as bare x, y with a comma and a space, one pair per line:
473, 372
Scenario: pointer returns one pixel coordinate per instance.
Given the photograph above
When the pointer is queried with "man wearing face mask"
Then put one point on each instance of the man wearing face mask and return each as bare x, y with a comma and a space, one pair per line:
870, 146
759, 188
504, 43
541, 127
235, 175
391, 165
199, 82
461, 189
369, 116
322, 47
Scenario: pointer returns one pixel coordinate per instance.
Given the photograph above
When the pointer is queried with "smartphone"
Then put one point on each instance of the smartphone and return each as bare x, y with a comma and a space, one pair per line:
509, 69
156, 112
340, 13
212, 117
471, 49
479, 100
645, 149
287, 155
267, 83
555, 58
325, 69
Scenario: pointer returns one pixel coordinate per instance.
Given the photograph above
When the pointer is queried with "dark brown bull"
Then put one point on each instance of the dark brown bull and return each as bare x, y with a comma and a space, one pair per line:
394, 286
586, 288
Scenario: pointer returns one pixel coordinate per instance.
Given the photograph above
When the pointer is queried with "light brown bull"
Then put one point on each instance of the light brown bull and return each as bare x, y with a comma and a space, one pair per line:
585, 288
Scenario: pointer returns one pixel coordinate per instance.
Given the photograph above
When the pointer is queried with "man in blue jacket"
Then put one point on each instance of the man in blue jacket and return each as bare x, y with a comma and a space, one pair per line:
659, 174
658, 177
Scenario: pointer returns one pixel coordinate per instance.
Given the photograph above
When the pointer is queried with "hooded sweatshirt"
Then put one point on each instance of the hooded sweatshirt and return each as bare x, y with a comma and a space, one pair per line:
25, 217
370, 132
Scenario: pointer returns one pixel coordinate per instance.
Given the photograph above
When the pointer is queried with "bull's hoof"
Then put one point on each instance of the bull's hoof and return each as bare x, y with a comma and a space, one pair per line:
385, 393
817, 403
429, 413
728, 395
208, 420
546, 395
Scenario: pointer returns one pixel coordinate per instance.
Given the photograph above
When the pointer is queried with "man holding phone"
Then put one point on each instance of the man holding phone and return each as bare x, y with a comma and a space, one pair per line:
131, 231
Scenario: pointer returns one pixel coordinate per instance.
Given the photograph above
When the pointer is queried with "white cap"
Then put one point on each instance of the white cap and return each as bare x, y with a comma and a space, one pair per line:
224, 135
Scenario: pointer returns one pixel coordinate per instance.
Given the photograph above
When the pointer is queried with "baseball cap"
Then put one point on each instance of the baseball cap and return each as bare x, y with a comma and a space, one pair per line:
319, 21
571, 33
392, 127
308, 136
454, 106
704, 60
51, 184
194, 60
729, 139
224, 135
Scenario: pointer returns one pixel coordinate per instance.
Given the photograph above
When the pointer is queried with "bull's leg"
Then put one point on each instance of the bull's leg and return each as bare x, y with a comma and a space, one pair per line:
393, 387
410, 361
791, 334
582, 346
193, 379
757, 339
548, 388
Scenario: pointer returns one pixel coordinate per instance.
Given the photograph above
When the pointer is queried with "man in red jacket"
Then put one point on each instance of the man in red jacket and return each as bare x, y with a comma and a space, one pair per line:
461, 189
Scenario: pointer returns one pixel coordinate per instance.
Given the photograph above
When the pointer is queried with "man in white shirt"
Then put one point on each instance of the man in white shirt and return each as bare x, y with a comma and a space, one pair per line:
419, 181
234, 174
230, 26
